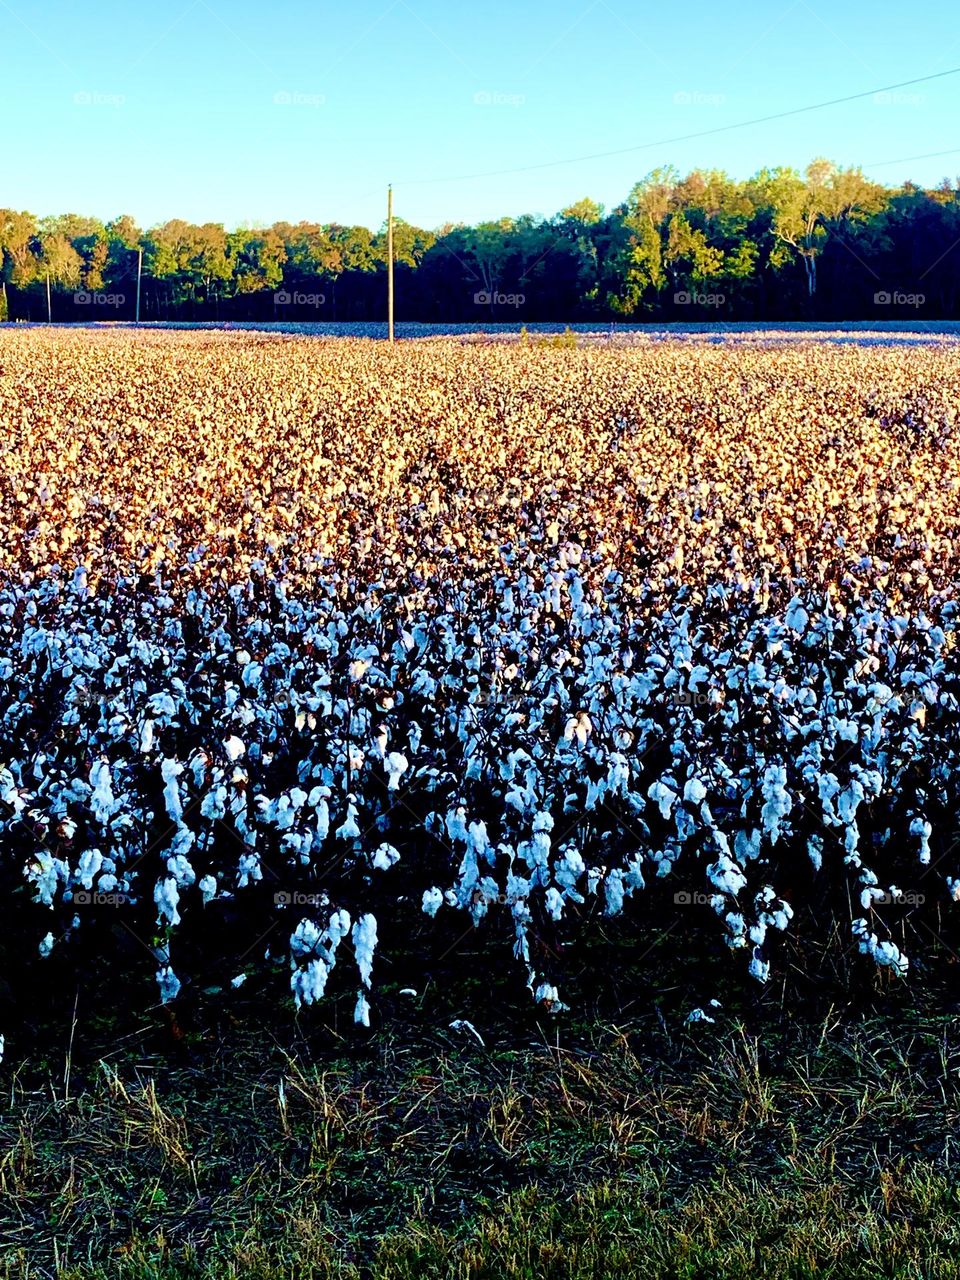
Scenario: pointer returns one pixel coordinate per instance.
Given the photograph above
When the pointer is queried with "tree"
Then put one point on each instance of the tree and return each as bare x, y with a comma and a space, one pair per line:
808, 210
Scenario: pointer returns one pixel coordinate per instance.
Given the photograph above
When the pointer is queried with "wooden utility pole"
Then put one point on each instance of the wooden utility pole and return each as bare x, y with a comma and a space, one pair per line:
139, 270
390, 263
49, 311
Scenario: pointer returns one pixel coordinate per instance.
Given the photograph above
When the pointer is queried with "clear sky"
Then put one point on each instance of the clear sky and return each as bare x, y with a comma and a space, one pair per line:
241, 112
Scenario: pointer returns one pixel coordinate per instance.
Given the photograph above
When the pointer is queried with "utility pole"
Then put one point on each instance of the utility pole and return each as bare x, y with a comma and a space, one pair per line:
390, 263
139, 269
49, 312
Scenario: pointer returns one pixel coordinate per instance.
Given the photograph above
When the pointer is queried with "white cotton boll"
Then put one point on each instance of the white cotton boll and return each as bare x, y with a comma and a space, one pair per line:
169, 984
919, 827
167, 895
456, 825
725, 875
364, 938
890, 956
548, 994
849, 801
815, 851
323, 824
698, 1015
46, 945
778, 802
170, 771
2, 1046
46, 873
385, 857
694, 791
553, 900
954, 886
101, 800
90, 863
613, 889
568, 871
208, 888
479, 842
309, 983
349, 830
238, 981
578, 727
395, 765
759, 969
181, 870
432, 901
361, 1012
248, 868
662, 795
461, 1024
214, 804
304, 938
358, 669
746, 844
234, 747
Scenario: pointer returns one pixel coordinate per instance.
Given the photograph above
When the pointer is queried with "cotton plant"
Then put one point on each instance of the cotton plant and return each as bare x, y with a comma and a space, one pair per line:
586, 735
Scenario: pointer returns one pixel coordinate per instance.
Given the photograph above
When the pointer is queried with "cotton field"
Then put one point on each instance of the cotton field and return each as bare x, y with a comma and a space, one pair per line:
348, 641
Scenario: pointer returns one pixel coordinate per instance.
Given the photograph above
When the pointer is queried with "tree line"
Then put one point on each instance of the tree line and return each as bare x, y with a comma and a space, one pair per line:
827, 243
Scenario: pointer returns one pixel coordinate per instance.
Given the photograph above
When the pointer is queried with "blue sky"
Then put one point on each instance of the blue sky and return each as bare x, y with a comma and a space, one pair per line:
242, 112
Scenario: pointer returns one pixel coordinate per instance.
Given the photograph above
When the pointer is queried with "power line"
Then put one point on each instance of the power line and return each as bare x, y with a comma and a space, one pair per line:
930, 155
685, 137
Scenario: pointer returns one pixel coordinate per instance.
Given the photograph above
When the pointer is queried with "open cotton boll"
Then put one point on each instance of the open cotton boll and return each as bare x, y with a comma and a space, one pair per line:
168, 983
432, 901
349, 829
385, 857
208, 888
698, 1015
170, 771
396, 766
46, 945
662, 795
234, 748
364, 944
547, 994
694, 791
166, 895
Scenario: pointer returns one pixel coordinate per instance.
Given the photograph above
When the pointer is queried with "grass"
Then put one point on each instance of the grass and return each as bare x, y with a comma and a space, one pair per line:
248, 1143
